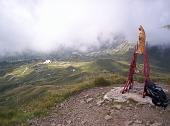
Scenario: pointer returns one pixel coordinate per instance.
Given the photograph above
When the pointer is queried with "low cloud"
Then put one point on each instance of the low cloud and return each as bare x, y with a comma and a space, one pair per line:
46, 25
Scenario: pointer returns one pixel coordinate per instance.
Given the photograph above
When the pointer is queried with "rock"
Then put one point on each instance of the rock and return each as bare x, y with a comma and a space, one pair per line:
59, 124
86, 96
128, 108
89, 100
148, 123
82, 101
135, 124
165, 90
61, 105
130, 105
83, 122
30, 122
149, 106
118, 106
135, 116
108, 117
138, 121
127, 123
116, 95
156, 124
68, 121
53, 124
99, 103
78, 118
161, 112
90, 105
112, 111
127, 102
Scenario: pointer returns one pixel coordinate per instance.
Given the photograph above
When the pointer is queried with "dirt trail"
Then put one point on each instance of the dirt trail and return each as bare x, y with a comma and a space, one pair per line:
87, 109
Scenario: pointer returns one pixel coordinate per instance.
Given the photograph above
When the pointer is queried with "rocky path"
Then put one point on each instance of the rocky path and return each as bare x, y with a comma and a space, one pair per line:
88, 109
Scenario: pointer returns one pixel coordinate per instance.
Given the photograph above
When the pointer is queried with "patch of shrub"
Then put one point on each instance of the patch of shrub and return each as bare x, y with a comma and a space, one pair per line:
117, 79
101, 82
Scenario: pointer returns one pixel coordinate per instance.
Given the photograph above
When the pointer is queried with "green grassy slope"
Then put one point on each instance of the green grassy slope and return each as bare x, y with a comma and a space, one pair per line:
30, 89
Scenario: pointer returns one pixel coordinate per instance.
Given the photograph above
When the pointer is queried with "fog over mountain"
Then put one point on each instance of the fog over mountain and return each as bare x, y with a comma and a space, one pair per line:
48, 25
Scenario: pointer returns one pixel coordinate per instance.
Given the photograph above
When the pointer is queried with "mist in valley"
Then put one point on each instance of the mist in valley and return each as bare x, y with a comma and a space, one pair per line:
46, 26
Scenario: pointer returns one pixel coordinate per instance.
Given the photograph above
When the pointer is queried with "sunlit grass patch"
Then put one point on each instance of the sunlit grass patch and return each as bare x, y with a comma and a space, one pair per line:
65, 64
101, 82
22, 71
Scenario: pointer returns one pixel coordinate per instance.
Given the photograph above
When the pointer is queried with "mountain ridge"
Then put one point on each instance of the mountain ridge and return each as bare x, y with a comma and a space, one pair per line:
120, 48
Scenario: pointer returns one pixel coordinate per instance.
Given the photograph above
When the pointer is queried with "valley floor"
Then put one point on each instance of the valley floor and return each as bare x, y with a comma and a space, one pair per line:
87, 109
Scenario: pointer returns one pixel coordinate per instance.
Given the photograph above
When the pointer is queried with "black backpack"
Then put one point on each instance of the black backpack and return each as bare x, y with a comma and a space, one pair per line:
157, 94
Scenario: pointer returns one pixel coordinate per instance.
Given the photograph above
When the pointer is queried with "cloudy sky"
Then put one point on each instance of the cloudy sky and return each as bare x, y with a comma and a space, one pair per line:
45, 25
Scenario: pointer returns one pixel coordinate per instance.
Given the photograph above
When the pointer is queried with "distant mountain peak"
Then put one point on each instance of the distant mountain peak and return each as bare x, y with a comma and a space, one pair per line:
123, 47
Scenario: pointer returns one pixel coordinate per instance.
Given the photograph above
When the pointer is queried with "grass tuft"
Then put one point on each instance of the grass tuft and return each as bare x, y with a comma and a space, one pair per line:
101, 82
